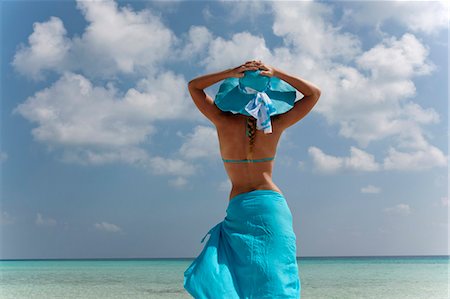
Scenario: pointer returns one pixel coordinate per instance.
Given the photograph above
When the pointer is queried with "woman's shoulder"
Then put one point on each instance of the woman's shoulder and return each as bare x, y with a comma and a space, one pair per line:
230, 120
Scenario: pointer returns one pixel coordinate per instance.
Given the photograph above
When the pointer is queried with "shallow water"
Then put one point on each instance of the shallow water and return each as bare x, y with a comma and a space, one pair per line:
349, 278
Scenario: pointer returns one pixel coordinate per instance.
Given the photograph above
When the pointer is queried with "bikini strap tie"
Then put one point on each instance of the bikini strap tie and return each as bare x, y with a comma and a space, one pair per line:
260, 107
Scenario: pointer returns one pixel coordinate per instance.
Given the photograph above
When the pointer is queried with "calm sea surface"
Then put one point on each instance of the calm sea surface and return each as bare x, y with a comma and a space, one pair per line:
340, 278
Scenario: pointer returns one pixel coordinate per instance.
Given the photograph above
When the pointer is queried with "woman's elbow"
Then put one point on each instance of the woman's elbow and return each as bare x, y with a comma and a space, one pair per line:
317, 93
193, 85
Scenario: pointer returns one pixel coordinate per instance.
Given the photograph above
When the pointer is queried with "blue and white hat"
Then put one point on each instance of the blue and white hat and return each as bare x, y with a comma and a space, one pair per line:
256, 95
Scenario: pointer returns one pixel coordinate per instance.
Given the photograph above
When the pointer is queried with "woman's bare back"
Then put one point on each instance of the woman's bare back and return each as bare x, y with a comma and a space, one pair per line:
234, 144
231, 128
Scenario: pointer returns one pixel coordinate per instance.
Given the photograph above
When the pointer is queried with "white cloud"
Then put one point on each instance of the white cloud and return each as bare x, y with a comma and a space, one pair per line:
202, 143
117, 40
363, 92
5, 218
94, 124
372, 108
121, 40
401, 209
424, 116
367, 100
445, 201
74, 112
370, 189
44, 221
418, 160
107, 227
359, 160
48, 49
323, 162
241, 47
304, 26
408, 54
161, 97
197, 42
427, 17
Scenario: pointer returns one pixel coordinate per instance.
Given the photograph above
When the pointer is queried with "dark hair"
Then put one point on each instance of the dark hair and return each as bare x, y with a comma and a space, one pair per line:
251, 132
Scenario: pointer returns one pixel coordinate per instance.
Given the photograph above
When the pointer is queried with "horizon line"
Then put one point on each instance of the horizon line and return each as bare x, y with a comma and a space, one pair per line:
189, 258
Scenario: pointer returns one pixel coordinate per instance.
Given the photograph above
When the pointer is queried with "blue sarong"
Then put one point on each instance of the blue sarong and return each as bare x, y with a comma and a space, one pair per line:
250, 254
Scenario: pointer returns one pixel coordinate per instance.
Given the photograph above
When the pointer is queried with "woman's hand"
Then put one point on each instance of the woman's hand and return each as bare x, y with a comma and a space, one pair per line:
238, 72
266, 70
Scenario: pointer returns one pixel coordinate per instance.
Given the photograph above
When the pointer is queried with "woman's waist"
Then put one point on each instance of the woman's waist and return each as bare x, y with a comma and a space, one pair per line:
247, 179
244, 188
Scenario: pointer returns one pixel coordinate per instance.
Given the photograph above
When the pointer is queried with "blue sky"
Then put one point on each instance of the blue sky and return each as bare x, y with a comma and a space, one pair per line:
103, 153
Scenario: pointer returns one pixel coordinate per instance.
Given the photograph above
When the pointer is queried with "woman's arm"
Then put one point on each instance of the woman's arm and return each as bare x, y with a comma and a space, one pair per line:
301, 108
305, 87
203, 101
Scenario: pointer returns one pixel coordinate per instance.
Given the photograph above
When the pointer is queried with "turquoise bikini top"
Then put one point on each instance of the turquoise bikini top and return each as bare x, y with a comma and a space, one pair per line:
248, 160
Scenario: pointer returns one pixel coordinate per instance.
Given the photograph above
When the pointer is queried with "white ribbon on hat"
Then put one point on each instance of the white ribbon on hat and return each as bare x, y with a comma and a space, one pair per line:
260, 107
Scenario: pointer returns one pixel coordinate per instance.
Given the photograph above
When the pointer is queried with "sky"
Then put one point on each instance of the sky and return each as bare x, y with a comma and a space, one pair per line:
104, 154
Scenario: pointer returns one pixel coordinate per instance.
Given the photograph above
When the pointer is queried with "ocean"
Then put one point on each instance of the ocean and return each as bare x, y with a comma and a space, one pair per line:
424, 277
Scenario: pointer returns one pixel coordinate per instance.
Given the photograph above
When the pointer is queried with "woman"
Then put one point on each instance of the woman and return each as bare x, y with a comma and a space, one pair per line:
252, 253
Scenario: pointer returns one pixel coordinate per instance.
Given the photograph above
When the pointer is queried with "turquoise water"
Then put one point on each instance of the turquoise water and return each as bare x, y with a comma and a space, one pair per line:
340, 278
